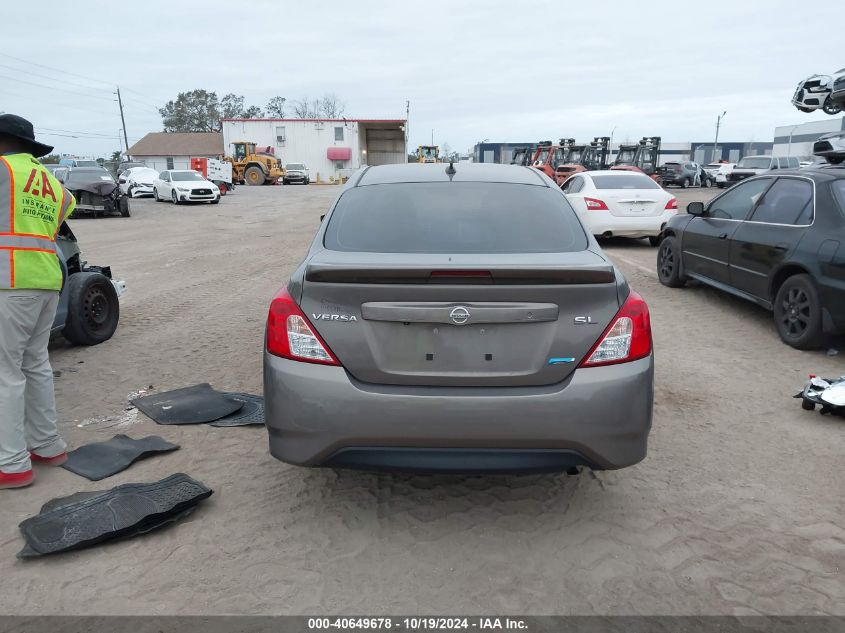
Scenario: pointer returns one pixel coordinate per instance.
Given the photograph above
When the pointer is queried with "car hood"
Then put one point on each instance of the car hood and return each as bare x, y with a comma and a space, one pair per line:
99, 187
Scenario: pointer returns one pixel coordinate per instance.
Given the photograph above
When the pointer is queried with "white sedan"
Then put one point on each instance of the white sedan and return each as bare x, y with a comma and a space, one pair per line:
620, 204
137, 181
719, 172
180, 186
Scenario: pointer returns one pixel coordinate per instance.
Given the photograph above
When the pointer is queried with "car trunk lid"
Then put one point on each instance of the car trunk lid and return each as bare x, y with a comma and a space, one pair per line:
459, 320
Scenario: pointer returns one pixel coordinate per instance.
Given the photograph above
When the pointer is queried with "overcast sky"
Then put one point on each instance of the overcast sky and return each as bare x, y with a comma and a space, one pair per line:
504, 71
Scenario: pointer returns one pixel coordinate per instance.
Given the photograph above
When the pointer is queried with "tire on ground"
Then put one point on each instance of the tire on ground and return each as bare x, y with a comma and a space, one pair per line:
669, 263
93, 309
254, 176
799, 292
123, 206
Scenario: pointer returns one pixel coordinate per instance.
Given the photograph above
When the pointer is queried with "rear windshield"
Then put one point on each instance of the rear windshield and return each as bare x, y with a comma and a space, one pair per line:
454, 217
295, 166
755, 162
87, 163
81, 177
624, 181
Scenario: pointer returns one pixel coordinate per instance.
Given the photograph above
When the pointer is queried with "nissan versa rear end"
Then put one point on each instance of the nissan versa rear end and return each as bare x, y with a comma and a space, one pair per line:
457, 319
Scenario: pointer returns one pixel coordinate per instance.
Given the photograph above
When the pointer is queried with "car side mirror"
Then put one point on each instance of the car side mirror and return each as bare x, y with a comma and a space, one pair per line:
695, 208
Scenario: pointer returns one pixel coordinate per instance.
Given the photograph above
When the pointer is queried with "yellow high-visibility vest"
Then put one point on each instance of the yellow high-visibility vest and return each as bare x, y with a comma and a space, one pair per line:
33, 205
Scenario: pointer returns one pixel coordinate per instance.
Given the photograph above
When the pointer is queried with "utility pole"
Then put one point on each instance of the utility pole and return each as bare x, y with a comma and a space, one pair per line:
122, 120
432, 136
407, 125
716, 142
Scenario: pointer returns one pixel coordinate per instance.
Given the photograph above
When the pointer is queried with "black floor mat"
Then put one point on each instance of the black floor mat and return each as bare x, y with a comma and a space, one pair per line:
189, 405
252, 412
81, 520
104, 459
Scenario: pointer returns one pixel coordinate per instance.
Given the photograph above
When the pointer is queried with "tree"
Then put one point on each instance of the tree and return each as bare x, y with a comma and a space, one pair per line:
306, 108
331, 107
201, 111
231, 106
194, 111
50, 159
252, 112
276, 107
116, 156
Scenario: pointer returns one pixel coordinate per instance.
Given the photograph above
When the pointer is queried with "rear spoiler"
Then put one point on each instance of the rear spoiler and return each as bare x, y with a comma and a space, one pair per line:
569, 275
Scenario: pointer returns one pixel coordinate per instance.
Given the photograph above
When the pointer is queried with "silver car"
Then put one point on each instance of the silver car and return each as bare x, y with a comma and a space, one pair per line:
457, 319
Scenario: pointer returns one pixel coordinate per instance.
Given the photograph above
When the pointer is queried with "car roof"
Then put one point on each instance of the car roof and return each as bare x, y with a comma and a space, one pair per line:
436, 172
612, 172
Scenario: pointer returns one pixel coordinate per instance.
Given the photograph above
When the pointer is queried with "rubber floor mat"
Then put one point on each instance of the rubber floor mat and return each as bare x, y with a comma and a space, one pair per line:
81, 521
252, 412
189, 405
103, 459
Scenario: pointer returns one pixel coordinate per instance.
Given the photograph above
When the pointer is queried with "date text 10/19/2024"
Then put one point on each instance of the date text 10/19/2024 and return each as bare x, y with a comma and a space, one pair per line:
416, 624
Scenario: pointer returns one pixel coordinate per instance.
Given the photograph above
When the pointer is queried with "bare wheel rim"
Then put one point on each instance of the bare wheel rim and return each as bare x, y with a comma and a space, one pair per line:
667, 261
796, 312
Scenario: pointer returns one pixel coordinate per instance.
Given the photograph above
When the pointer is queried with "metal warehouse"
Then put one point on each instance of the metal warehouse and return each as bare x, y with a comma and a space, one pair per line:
329, 148
797, 140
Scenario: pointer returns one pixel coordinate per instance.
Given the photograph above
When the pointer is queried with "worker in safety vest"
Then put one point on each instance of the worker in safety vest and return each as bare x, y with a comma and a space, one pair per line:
33, 205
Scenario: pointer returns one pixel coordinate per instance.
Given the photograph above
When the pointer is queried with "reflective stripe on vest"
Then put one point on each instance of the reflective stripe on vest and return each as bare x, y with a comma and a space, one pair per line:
32, 205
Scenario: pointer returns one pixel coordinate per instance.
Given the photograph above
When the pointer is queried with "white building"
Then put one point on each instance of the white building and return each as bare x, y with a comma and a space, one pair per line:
797, 140
174, 150
329, 148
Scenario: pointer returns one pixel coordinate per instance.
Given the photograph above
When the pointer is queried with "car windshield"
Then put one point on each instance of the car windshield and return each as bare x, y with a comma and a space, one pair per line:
574, 155
295, 167
624, 181
838, 187
87, 175
541, 156
755, 162
87, 163
182, 176
466, 217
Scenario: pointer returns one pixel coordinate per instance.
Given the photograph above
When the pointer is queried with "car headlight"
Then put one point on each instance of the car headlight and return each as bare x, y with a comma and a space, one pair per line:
215, 189
182, 189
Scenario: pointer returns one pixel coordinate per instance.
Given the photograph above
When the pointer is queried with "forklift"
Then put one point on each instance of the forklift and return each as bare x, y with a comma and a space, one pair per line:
584, 157
642, 157
547, 156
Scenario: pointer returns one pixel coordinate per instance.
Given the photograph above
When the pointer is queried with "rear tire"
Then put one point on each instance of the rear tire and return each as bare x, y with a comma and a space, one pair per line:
706, 183
669, 263
93, 309
834, 160
685, 183
798, 313
254, 176
831, 107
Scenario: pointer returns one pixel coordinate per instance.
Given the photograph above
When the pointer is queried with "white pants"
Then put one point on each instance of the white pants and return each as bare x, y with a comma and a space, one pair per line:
27, 402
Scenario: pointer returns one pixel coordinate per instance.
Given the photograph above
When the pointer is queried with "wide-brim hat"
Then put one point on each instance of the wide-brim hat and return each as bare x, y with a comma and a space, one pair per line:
19, 128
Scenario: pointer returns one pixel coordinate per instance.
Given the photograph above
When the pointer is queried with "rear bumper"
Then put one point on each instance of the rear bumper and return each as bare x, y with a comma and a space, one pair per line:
602, 222
320, 416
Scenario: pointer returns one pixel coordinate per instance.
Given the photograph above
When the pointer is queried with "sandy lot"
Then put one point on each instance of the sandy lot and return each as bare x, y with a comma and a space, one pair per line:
738, 508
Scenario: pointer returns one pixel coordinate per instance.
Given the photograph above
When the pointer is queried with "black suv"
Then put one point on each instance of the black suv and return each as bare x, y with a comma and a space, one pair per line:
777, 240
684, 175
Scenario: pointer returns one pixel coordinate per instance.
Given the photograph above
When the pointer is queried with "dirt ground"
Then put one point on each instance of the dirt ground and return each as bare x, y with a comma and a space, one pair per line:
738, 508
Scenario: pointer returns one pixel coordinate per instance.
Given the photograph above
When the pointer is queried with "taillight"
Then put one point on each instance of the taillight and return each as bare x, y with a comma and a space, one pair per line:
672, 204
290, 335
627, 338
593, 204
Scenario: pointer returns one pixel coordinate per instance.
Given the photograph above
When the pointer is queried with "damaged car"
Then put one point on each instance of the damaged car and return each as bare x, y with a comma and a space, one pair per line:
815, 92
89, 307
95, 190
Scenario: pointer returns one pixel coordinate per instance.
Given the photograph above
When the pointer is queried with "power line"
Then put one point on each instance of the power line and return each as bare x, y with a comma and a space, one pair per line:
87, 110
73, 92
53, 129
59, 70
70, 83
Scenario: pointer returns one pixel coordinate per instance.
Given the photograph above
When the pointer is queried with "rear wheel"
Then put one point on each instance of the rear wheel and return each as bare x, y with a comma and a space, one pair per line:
798, 313
254, 176
669, 263
834, 160
706, 183
93, 309
685, 183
